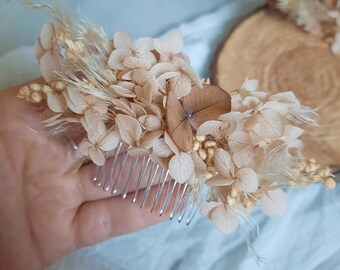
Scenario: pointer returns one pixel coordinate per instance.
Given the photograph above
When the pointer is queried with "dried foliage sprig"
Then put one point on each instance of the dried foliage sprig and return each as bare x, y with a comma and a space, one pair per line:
237, 151
320, 17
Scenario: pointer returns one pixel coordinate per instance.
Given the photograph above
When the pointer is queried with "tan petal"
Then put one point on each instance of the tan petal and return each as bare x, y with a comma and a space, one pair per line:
200, 166
206, 209
161, 149
248, 180
170, 143
138, 109
144, 44
97, 156
48, 66
132, 62
129, 129
150, 122
162, 68
83, 148
210, 127
148, 140
239, 141
223, 163
56, 103
274, 203
47, 35
250, 85
225, 219
270, 124
206, 104
122, 40
110, 141
117, 58
181, 85
286, 97
75, 100
142, 76
192, 75
178, 128
138, 151
172, 43
219, 181
181, 167
120, 91
245, 158
38, 49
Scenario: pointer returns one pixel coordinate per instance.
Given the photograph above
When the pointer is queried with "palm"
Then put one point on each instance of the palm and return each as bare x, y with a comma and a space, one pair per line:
46, 210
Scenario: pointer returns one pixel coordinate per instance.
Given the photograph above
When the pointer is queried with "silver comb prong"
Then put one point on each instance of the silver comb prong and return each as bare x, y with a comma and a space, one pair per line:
141, 177
113, 164
98, 174
166, 202
191, 215
178, 200
183, 209
132, 170
122, 164
159, 191
149, 185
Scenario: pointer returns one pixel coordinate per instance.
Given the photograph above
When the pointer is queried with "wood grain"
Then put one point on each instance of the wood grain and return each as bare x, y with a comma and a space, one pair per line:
283, 57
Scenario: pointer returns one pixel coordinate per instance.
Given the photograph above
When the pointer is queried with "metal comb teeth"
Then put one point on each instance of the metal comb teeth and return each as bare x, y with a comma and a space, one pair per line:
143, 174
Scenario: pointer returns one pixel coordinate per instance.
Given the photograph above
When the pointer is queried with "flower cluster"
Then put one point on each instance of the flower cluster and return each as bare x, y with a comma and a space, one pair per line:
243, 148
321, 18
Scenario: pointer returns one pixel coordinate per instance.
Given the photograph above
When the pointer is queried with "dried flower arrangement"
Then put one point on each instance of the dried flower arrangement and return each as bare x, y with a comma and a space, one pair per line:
237, 151
320, 17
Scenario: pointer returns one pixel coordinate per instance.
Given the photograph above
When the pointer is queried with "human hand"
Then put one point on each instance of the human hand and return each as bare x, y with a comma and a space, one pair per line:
45, 210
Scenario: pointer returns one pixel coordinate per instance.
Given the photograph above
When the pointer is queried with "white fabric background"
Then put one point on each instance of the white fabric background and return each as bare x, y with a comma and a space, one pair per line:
308, 238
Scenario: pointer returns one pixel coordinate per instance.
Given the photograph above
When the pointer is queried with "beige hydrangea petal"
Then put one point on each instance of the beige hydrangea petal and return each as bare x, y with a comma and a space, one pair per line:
285, 97
274, 203
170, 143
110, 141
270, 124
144, 44
83, 148
129, 128
239, 141
162, 68
209, 127
122, 40
150, 122
225, 219
224, 163
48, 66
245, 159
192, 75
47, 35
248, 181
171, 44
199, 164
206, 209
180, 85
97, 156
161, 149
121, 91
56, 103
75, 100
38, 49
117, 58
138, 151
181, 167
218, 181
132, 62
148, 140
250, 85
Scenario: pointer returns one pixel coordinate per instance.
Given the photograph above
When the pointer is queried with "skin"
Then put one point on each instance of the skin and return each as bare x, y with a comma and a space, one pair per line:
46, 211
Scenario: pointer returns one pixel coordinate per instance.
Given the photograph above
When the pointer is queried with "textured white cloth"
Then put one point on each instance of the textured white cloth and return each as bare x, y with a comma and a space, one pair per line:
308, 238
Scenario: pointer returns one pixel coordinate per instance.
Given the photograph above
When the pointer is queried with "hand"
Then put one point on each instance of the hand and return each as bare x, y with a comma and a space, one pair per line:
46, 211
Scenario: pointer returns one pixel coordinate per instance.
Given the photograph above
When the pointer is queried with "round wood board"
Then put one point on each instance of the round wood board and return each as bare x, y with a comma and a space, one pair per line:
285, 58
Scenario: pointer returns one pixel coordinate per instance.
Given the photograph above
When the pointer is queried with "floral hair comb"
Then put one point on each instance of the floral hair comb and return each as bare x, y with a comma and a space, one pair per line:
141, 105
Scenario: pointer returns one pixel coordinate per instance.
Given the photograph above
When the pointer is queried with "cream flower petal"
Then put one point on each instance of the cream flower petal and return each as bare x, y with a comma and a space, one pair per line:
226, 220
219, 181
144, 44
97, 156
161, 68
209, 127
56, 103
285, 97
138, 151
150, 122
148, 140
248, 180
48, 66
110, 141
38, 49
181, 167
161, 149
117, 58
171, 44
192, 75
121, 91
132, 62
245, 159
75, 101
47, 35
223, 163
122, 40
199, 164
270, 124
274, 203
83, 147
171, 143
206, 209
129, 129
239, 141
181, 85
250, 85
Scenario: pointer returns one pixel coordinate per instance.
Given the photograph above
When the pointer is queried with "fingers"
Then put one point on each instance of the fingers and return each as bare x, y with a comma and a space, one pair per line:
99, 220
118, 180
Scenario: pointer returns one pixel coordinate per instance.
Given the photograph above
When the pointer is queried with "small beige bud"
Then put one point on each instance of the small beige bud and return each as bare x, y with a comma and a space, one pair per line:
200, 138
197, 145
24, 91
36, 97
35, 87
211, 153
203, 154
60, 85
47, 89
230, 200
330, 183
234, 192
208, 144
208, 175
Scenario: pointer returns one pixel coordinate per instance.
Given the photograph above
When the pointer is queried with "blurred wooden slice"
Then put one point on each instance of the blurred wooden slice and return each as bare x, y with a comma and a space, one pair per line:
284, 57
